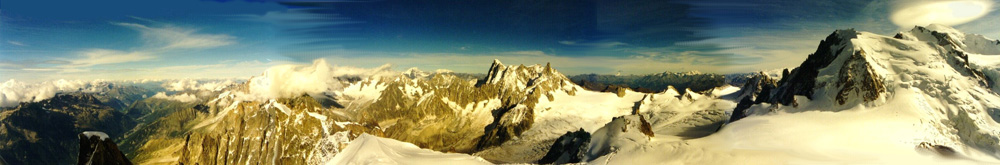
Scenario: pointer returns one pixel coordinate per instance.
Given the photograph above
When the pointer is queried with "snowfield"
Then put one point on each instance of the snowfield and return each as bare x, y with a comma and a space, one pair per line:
368, 149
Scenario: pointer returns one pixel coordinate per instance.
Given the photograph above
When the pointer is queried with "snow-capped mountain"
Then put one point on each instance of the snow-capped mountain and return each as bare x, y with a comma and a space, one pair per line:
868, 98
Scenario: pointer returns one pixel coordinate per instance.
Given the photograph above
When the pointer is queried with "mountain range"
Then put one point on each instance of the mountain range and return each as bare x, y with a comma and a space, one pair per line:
926, 95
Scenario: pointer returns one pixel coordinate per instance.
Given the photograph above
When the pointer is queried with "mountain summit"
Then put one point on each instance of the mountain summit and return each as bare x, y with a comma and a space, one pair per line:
924, 74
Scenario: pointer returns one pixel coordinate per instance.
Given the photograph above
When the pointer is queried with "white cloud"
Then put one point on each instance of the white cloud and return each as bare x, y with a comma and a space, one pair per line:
159, 40
192, 84
13, 92
18, 43
293, 80
177, 97
106, 56
953, 12
180, 38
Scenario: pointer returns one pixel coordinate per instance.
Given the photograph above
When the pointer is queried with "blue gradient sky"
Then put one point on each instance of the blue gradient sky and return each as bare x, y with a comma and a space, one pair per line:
119, 39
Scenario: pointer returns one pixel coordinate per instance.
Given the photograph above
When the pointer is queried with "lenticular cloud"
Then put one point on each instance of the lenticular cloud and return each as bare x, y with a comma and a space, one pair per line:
923, 13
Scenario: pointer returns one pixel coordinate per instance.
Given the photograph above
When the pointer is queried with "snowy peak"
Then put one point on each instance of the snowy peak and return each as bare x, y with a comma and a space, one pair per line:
802, 80
851, 68
499, 73
856, 67
522, 78
947, 36
415, 73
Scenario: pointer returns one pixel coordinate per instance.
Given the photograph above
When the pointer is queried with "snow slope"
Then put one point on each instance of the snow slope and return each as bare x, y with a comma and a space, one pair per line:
368, 149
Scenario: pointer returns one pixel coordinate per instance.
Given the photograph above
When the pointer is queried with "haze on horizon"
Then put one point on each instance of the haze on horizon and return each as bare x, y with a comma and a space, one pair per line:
126, 40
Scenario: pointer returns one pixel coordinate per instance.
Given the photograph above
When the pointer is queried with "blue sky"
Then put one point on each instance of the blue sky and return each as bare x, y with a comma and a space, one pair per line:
119, 39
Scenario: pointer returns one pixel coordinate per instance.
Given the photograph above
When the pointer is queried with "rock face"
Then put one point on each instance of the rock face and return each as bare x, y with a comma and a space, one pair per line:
569, 148
855, 77
802, 80
97, 148
47, 129
758, 87
519, 87
282, 131
858, 79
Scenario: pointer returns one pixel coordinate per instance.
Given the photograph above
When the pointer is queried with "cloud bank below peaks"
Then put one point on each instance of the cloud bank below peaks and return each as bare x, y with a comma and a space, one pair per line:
13, 92
315, 79
195, 85
182, 97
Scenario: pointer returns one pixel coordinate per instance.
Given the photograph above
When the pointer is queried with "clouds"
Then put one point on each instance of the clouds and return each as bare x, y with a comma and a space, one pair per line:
17, 43
169, 37
192, 84
574, 28
158, 40
953, 12
105, 56
13, 92
294, 80
182, 97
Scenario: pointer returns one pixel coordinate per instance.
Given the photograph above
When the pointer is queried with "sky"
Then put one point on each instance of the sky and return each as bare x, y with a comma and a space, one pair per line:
123, 40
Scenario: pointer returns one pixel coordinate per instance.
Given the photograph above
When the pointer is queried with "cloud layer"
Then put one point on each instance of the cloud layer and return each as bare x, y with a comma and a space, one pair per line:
293, 80
951, 12
170, 37
194, 85
13, 92
185, 97
105, 56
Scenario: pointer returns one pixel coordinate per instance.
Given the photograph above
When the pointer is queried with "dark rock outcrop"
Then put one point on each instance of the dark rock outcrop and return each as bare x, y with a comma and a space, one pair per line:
758, 87
934, 149
569, 148
509, 122
97, 148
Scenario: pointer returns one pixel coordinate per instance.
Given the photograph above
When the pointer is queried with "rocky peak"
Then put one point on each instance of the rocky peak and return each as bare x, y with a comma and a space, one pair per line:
72, 99
802, 80
520, 74
954, 39
851, 67
415, 73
